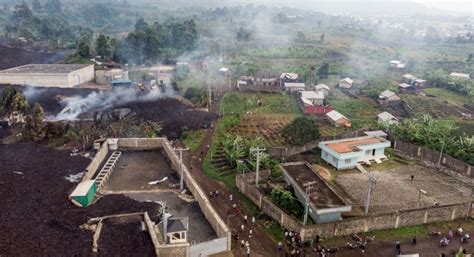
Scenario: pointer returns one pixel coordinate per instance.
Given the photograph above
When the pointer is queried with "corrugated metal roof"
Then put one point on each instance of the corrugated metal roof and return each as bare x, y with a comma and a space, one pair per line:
291, 84
386, 116
386, 94
322, 86
348, 80
335, 115
312, 94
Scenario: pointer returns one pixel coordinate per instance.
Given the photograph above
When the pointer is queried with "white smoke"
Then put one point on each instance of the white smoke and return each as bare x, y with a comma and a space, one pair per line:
76, 105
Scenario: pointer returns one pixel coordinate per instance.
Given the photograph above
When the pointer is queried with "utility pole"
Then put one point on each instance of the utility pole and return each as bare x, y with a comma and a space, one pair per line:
258, 149
372, 182
181, 182
441, 154
306, 210
209, 95
165, 221
419, 197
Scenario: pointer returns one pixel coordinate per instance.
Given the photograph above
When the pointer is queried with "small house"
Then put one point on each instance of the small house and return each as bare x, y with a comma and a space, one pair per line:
406, 88
337, 118
388, 96
323, 88
84, 193
224, 71
177, 229
316, 97
394, 64
387, 118
409, 79
346, 83
420, 83
288, 77
294, 87
347, 153
458, 75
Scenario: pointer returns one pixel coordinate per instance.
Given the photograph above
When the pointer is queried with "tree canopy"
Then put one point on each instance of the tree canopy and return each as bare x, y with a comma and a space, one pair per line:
301, 131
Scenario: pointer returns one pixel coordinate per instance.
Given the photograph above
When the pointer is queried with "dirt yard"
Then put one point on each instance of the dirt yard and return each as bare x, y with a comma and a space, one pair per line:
36, 218
136, 168
395, 190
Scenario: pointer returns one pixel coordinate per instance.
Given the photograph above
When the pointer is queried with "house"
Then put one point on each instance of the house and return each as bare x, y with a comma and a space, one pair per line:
457, 75
420, 83
316, 97
409, 79
376, 133
346, 83
387, 118
323, 88
337, 118
397, 64
407, 88
347, 153
294, 87
224, 71
288, 77
388, 96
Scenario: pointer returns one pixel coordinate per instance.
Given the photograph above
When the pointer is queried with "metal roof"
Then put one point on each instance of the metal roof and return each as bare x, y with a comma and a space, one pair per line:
405, 85
322, 86
348, 80
46, 68
291, 84
386, 94
386, 116
289, 75
375, 133
335, 115
177, 225
312, 94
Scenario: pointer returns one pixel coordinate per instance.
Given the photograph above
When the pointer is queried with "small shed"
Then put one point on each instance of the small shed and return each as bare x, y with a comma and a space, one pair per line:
346, 83
294, 87
337, 118
84, 193
323, 88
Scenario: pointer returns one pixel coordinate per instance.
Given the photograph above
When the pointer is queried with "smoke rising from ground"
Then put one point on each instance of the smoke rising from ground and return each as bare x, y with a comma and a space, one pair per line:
96, 101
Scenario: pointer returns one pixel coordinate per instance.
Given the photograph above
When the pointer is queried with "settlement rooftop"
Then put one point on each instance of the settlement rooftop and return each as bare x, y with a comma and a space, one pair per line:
353, 144
46, 68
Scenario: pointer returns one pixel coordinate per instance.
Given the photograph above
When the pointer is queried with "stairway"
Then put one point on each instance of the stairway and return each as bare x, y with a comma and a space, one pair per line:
220, 163
360, 168
159, 234
107, 169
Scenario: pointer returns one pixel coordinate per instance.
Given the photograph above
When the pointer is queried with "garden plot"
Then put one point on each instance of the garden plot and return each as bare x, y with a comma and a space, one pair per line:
266, 126
395, 191
432, 106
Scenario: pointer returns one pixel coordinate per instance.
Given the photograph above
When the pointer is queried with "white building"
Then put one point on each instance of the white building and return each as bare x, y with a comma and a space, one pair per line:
323, 88
387, 118
315, 97
458, 75
346, 83
48, 75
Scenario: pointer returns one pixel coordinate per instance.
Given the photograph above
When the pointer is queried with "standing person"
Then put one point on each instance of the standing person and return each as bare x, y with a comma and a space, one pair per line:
248, 251
253, 220
247, 244
412, 177
398, 247
242, 243
230, 197
217, 193
242, 227
413, 242
250, 233
317, 239
280, 246
245, 219
210, 194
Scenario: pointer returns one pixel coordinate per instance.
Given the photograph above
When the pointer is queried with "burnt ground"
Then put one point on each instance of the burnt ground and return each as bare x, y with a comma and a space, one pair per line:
36, 218
15, 56
136, 168
139, 241
174, 115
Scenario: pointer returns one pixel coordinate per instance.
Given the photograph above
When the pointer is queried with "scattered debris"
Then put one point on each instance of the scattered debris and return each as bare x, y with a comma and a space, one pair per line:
157, 181
74, 178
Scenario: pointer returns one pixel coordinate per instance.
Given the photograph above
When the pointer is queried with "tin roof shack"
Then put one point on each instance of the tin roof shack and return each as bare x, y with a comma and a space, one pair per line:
337, 118
346, 83
288, 77
387, 118
387, 97
294, 87
48, 75
325, 205
395, 64
315, 97
347, 153
407, 88
323, 88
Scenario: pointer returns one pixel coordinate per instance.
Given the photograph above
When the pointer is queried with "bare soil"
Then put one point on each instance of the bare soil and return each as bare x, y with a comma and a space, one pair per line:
36, 218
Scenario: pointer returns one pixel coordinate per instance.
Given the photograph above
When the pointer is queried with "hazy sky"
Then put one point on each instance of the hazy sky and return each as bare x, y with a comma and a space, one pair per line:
451, 5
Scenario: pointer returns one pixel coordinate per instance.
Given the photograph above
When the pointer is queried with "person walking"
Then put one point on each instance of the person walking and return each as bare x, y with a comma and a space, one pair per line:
413, 242
230, 197
245, 219
217, 193
248, 251
398, 248
250, 233
253, 221
242, 227
242, 243
280, 246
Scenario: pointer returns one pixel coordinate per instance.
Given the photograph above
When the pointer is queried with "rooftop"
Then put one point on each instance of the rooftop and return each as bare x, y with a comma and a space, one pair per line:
322, 86
460, 75
290, 75
312, 94
290, 84
348, 80
352, 144
386, 116
405, 85
335, 115
375, 133
386, 94
46, 68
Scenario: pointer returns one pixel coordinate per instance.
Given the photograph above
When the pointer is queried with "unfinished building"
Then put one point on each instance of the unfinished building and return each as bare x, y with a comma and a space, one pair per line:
149, 170
48, 75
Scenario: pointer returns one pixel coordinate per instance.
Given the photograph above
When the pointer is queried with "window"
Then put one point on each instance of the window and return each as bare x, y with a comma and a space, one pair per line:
348, 161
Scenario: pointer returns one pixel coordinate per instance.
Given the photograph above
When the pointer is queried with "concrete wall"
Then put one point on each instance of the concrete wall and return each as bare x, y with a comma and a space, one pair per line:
209, 248
211, 215
353, 225
95, 163
81, 76
428, 157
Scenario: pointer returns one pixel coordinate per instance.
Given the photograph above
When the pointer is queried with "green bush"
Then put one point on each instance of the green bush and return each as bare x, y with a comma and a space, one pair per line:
301, 131
285, 200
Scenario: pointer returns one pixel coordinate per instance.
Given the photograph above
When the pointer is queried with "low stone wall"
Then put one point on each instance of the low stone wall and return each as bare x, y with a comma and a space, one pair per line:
428, 157
351, 225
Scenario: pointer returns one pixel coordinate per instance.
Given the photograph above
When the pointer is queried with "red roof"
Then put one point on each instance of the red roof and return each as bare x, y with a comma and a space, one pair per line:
318, 109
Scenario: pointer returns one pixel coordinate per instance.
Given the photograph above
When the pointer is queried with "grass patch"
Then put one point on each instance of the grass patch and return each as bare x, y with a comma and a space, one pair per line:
274, 229
400, 233
237, 103
192, 138
362, 112
449, 96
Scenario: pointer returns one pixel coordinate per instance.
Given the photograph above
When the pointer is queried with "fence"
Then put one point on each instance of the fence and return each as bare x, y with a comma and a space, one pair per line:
447, 163
286, 151
352, 225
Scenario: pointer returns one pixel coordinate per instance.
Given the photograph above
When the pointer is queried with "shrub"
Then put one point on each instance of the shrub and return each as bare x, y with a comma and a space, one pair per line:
301, 131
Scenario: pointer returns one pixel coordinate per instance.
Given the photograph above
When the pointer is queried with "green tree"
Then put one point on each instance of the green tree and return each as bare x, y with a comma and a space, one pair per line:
34, 129
53, 6
323, 71
243, 34
22, 12
102, 47
301, 131
141, 25
37, 6
300, 37
83, 50
13, 100
285, 200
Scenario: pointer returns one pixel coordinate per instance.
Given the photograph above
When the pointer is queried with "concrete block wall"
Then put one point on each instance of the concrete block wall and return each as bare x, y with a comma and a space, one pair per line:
95, 163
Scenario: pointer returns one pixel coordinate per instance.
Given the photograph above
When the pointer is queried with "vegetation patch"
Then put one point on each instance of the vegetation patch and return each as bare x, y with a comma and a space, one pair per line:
192, 139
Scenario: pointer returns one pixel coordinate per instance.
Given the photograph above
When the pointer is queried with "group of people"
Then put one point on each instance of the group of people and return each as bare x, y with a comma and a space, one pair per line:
293, 240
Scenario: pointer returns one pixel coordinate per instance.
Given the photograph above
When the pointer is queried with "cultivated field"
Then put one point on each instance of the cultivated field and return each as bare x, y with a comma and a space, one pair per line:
362, 112
432, 106
395, 191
